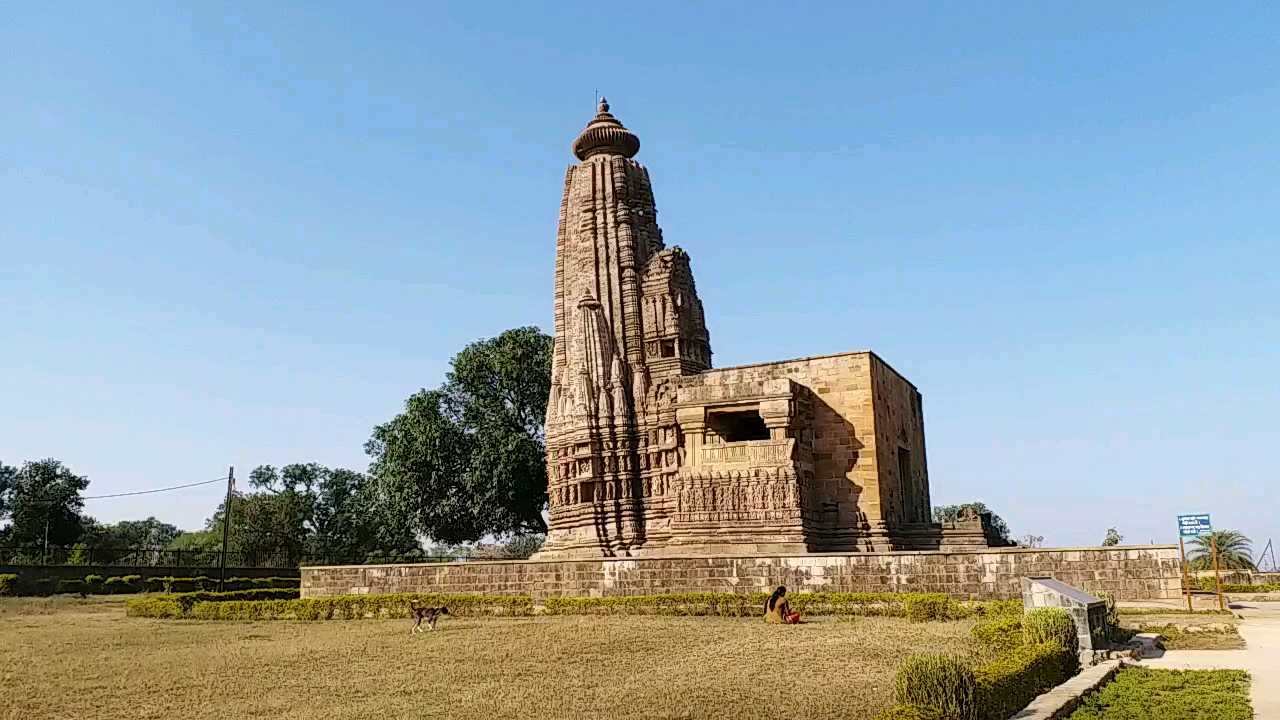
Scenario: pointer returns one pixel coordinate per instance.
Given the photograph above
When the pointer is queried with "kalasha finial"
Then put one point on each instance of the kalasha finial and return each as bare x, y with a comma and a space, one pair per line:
605, 135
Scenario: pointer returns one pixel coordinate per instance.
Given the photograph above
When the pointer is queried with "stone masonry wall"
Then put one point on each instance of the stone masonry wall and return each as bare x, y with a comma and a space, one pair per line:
1132, 573
844, 461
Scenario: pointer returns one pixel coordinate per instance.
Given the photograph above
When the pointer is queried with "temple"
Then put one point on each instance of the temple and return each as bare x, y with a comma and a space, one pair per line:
651, 452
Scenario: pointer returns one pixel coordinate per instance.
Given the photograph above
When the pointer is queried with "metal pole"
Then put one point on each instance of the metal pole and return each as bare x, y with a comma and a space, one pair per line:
1217, 578
1186, 580
226, 526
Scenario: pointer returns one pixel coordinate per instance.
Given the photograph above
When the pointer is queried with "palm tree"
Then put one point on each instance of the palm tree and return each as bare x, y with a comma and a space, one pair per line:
1235, 551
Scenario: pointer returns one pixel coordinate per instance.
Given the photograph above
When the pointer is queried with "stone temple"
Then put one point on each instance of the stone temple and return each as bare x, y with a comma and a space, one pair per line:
652, 452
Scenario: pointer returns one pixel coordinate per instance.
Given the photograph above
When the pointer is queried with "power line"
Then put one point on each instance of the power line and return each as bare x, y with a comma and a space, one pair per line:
148, 492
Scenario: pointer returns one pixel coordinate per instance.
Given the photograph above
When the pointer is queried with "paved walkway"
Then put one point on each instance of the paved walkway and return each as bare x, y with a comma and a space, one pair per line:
1260, 629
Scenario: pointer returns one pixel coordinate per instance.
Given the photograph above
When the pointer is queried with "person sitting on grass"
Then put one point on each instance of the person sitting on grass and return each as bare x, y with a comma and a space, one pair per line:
777, 610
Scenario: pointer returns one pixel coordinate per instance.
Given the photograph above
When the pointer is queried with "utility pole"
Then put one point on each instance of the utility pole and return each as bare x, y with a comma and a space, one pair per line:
226, 526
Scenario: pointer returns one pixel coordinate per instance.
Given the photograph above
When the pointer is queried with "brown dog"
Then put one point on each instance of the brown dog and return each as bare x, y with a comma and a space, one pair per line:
428, 614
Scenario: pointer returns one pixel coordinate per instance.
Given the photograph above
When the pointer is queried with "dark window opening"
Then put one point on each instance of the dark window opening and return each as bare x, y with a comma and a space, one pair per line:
906, 482
738, 426
668, 348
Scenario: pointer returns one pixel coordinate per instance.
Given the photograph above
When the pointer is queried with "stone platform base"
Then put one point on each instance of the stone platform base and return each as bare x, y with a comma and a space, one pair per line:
1134, 572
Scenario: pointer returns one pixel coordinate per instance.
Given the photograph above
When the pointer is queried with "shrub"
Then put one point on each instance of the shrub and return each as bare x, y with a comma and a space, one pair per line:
910, 712
927, 605
699, 604
154, 606
1007, 685
92, 581
1054, 625
180, 605
8, 585
72, 585
923, 607
356, 607
121, 585
40, 587
995, 608
941, 682
1113, 632
1002, 635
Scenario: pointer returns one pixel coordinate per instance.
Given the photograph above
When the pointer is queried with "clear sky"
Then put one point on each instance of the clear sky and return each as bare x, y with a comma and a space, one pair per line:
243, 234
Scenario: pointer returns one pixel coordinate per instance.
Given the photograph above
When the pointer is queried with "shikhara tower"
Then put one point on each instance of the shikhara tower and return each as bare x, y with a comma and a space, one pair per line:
627, 320
650, 451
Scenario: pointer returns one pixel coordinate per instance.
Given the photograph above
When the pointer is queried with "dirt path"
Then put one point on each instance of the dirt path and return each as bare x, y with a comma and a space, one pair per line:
1260, 629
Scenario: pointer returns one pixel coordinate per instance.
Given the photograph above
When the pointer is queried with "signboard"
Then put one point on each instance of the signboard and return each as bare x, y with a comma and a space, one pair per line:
1194, 525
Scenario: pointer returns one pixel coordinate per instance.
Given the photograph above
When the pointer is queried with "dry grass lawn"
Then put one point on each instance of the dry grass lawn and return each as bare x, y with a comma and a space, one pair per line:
63, 658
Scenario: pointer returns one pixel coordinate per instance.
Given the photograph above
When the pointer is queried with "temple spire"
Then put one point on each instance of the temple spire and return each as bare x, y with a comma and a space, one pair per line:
605, 135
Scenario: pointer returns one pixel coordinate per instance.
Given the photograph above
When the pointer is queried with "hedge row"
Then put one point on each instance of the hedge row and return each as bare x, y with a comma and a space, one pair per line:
342, 607
1207, 584
1010, 683
132, 584
1037, 652
179, 605
915, 606
8, 585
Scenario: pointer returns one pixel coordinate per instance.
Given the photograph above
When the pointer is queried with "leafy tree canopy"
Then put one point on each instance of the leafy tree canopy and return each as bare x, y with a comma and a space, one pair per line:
1235, 551
1113, 538
43, 493
468, 459
306, 511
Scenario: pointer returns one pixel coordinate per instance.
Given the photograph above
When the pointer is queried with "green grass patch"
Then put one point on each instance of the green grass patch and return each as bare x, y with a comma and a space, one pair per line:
1139, 693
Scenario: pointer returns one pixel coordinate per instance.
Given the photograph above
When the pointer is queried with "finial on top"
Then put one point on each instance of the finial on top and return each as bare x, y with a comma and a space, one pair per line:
604, 135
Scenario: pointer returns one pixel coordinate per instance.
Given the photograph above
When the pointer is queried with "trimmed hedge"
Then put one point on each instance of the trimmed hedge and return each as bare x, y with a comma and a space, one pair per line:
911, 712
1003, 634
942, 682
357, 607
925, 607
122, 585
1050, 624
8, 585
1207, 584
73, 585
994, 608
178, 605
1008, 684
155, 606
917, 606
993, 691
1038, 651
208, 584
134, 584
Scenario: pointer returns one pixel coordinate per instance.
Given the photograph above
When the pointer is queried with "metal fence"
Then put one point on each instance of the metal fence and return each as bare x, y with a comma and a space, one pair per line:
164, 557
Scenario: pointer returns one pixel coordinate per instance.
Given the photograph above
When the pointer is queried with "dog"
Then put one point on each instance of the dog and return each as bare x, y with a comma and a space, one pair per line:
428, 614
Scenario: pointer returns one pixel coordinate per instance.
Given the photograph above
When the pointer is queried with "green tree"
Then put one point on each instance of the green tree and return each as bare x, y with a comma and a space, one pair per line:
469, 459
150, 533
44, 494
308, 511
1113, 538
1235, 551
952, 513
8, 479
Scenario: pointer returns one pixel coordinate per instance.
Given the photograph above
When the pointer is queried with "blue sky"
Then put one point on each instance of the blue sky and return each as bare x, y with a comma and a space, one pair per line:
243, 234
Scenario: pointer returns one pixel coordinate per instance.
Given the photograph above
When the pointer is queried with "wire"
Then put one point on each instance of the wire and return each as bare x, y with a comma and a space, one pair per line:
147, 492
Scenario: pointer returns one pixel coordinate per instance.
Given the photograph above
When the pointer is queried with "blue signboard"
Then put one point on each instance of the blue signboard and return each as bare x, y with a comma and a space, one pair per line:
1194, 525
